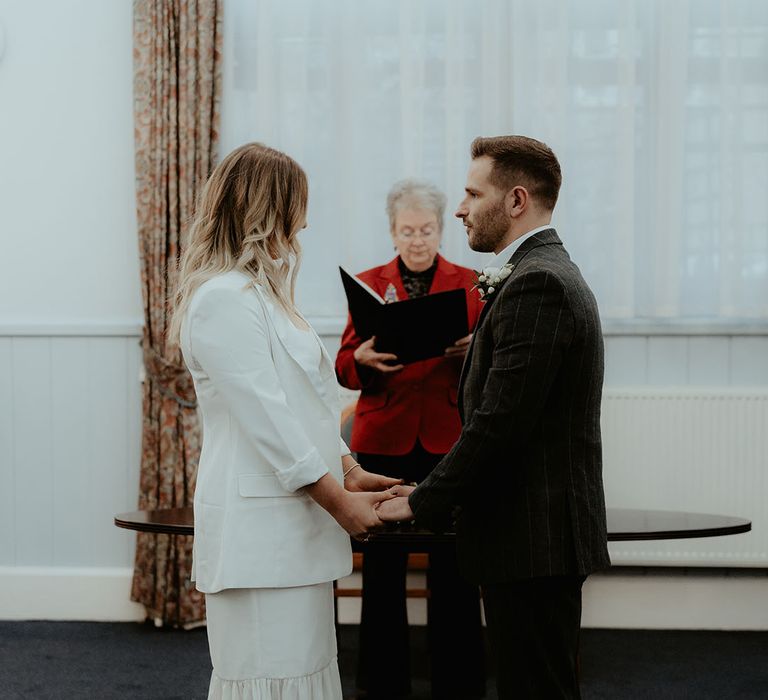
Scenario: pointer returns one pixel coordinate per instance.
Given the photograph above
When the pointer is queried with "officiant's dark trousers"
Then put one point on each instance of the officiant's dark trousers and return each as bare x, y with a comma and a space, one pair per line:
455, 638
533, 626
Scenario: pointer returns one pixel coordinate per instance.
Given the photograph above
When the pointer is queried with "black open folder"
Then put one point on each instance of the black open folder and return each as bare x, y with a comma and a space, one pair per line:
413, 329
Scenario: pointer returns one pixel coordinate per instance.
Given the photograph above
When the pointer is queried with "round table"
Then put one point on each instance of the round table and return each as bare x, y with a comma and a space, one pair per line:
624, 524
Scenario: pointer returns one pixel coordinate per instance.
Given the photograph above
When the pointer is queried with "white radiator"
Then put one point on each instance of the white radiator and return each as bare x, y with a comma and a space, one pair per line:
689, 449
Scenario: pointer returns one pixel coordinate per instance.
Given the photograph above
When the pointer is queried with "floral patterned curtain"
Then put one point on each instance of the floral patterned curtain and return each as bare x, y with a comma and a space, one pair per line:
177, 88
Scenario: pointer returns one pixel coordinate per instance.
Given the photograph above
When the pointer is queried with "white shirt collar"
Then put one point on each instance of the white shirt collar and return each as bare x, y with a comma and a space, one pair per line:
505, 255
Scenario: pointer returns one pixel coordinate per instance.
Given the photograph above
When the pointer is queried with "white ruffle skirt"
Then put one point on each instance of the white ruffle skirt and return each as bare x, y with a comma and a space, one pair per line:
273, 644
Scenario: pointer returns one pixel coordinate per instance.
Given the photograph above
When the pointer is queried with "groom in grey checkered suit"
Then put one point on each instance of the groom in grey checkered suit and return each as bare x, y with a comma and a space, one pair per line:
523, 484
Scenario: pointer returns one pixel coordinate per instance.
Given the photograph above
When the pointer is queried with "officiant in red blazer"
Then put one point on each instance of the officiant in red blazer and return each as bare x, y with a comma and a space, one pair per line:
405, 420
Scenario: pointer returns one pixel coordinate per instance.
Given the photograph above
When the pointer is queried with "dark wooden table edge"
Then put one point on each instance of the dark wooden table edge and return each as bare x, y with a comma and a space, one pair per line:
158, 529
673, 535
129, 521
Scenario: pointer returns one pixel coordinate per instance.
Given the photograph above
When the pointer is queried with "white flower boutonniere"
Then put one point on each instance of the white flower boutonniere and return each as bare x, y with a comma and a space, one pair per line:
490, 278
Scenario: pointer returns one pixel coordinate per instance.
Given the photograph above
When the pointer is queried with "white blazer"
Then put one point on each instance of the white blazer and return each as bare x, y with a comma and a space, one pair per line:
267, 432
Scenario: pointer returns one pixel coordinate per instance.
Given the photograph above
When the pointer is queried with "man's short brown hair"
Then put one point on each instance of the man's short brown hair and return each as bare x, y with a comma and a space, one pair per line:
520, 160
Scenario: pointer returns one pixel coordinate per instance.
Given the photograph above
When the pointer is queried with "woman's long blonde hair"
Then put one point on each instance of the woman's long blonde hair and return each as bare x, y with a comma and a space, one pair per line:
247, 218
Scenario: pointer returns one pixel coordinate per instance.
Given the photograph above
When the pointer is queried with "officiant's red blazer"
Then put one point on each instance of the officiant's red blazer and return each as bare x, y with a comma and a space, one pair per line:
420, 401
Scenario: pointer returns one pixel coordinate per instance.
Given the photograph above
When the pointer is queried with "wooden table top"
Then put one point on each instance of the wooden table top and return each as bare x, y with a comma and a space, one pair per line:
623, 525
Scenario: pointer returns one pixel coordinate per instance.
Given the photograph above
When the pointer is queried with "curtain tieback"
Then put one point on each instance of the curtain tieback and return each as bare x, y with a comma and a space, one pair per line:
171, 380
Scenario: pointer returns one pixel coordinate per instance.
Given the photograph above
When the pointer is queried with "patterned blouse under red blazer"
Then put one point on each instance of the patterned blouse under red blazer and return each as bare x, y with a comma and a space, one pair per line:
420, 401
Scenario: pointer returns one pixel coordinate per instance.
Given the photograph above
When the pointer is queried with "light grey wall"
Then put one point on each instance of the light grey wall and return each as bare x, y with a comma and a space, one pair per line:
67, 203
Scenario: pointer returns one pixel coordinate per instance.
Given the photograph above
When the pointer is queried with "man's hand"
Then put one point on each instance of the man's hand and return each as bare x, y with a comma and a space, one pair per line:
459, 348
402, 490
360, 480
395, 509
366, 356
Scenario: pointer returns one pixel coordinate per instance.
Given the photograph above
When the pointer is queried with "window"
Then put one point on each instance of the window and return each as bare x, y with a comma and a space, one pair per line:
657, 110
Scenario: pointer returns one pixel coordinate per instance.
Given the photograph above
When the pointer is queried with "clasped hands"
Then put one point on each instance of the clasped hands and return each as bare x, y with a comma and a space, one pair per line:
373, 500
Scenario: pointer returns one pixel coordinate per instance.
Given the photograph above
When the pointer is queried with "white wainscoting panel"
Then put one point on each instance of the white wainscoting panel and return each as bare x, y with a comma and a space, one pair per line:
70, 380
708, 361
33, 451
626, 360
69, 449
7, 480
675, 360
667, 360
689, 449
749, 361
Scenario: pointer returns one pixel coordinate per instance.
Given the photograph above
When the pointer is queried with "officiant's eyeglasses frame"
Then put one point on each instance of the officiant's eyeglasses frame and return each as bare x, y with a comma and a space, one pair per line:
426, 234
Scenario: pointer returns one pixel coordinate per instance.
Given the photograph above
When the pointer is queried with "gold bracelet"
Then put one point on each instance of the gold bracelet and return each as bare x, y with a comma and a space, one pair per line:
354, 466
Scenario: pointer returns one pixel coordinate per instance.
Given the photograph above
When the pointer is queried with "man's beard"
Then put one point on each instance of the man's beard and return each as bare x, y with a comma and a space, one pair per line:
488, 230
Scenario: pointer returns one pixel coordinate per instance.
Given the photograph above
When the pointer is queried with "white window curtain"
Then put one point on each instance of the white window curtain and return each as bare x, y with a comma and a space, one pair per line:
657, 109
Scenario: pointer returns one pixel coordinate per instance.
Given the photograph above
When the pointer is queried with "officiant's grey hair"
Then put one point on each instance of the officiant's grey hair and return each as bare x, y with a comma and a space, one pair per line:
415, 194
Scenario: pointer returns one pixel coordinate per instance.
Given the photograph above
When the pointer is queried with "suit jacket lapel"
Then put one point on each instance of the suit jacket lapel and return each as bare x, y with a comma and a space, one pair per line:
279, 322
326, 366
326, 363
547, 237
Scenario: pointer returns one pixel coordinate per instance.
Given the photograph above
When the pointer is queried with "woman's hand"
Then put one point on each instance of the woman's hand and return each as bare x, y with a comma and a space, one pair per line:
360, 480
356, 512
366, 356
459, 348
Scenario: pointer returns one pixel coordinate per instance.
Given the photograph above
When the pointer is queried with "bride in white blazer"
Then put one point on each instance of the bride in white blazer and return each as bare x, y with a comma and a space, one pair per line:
272, 514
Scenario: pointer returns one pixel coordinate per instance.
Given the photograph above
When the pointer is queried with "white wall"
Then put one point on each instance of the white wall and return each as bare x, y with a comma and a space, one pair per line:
70, 307
68, 247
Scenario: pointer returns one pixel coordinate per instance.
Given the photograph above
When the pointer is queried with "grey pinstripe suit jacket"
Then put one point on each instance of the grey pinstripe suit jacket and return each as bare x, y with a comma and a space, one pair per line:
524, 480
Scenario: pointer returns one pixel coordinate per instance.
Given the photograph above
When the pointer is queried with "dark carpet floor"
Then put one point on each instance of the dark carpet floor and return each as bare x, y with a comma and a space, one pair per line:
79, 660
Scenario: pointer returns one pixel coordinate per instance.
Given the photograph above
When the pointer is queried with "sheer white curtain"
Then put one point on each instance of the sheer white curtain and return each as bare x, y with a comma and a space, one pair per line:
657, 109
